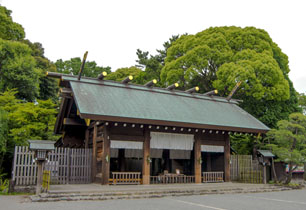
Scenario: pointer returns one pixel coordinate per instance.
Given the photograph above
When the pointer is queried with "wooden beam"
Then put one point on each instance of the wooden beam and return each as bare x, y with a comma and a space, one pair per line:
94, 153
126, 137
105, 156
170, 123
146, 158
227, 154
67, 91
212, 143
197, 159
72, 121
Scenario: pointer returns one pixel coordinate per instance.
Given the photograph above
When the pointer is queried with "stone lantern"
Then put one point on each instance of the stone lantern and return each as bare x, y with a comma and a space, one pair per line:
41, 149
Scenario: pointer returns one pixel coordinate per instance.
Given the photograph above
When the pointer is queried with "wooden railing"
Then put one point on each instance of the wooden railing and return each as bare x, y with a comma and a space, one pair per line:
125, 178
216, 176
171, 179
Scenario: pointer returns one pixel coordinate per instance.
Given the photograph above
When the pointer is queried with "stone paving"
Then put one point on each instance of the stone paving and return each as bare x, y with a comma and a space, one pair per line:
100, 192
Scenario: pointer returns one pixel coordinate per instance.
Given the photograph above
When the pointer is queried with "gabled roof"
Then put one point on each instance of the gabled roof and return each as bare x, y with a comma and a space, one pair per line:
113, 101
265, 153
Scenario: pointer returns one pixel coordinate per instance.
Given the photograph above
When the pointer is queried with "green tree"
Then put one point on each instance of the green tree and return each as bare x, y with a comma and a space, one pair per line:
72, 66
243, 144
22, 121
219, 57
3, 135
288, 142
121, 73
17, 70
302, 102
9, 30
152, 65
48, 87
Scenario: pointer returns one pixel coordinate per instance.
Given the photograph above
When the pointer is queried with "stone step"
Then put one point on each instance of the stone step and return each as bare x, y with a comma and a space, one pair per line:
146, 194
119, 193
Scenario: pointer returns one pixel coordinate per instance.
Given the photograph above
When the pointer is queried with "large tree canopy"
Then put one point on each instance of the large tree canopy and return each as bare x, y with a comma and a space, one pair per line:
48, 87
220, 57
72, 66
9, 30
152, 64
17, 69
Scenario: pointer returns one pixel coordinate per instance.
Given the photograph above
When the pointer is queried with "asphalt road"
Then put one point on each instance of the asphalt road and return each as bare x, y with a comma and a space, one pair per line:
285, 200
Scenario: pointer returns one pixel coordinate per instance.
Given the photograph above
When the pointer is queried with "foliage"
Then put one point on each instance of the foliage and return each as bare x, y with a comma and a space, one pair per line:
243, 144
9, 30
3, 134
219, 57
302, 102
288, 142
48, 87
121, 73
17, 70
152, 65
72, 66
4, 185
23, 121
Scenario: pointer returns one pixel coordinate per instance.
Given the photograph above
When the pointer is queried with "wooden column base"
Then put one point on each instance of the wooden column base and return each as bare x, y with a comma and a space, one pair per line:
197, 159
146, 158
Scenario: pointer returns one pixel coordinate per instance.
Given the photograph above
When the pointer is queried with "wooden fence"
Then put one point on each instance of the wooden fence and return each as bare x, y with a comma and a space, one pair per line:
126, 178
212, 177
66, 165
172, 179
245, 169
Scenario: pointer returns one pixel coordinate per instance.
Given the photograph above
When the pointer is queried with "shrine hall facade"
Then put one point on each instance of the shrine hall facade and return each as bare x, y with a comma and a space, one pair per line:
162, 135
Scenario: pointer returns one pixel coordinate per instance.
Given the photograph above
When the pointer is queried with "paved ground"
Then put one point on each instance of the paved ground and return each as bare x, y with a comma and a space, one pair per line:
284, 200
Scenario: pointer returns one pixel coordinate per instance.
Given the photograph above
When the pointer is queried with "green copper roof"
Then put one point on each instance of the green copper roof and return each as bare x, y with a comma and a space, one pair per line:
106, 100
266, 153
41, 145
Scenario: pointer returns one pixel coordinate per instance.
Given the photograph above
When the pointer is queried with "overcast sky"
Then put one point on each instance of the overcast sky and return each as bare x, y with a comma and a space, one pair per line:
112, 30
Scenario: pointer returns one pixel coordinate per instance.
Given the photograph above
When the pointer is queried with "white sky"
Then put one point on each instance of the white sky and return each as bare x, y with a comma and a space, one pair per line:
112, 30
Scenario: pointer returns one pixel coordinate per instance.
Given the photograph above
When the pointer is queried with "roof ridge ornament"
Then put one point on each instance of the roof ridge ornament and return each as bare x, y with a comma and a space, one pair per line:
151, 83
192, 90
173, 86
210, 93
229, 97
82, 66
102, 75
127, 79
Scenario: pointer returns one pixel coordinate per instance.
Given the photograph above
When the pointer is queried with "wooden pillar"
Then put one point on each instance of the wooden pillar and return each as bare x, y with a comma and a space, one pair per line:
39, 176
86, 138
105, 157
264, 175
227, 156
197, 159
146, 158
94, 153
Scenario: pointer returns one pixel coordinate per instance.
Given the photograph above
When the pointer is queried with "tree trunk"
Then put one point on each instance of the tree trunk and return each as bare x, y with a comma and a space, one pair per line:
274, 172
289, 177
